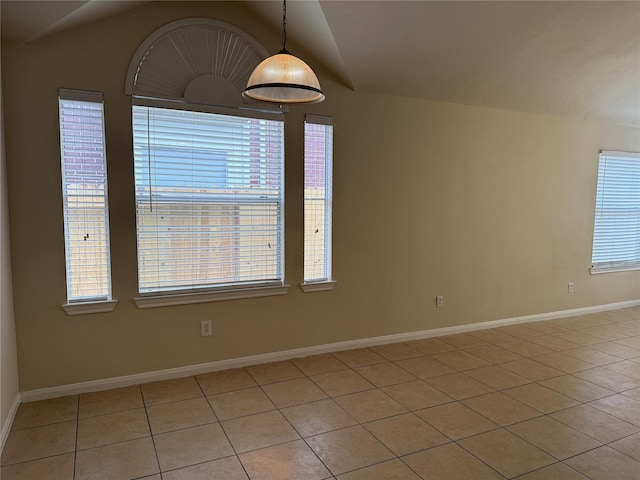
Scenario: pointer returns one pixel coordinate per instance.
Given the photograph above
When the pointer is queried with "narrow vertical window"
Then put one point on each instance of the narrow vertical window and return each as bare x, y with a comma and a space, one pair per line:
84, 191
318, 173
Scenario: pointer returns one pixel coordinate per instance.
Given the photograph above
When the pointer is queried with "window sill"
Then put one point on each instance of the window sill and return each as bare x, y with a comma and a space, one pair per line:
82, 308
621, 268
318, 286
153, 301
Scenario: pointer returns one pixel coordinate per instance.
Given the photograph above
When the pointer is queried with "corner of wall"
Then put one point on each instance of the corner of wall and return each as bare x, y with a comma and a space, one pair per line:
8, 421
9, 394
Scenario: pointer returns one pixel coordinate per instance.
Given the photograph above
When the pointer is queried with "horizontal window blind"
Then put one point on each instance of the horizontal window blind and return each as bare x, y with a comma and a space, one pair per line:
616, 238
84, 190
318, 172
209, 200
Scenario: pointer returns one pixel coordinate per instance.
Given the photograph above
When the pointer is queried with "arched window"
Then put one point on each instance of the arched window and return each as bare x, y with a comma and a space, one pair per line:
209, 168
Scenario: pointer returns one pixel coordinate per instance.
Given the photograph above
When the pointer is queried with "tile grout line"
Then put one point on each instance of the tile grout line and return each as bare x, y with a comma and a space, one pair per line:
304, 440
75, 450
226, 435
153, 440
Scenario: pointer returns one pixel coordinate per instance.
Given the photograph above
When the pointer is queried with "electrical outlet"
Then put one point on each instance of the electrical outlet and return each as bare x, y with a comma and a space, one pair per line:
439, 301
570, 287
205, 328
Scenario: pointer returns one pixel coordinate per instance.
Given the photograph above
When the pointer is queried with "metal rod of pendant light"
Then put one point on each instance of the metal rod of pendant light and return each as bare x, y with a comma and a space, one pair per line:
283, 78
284, 26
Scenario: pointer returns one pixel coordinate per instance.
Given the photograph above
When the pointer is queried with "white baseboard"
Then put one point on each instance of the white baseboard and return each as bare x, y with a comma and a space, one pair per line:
171, 373
6, 427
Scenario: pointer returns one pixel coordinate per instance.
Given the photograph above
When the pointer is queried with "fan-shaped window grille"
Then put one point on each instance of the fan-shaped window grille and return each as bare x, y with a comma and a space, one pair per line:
197, 60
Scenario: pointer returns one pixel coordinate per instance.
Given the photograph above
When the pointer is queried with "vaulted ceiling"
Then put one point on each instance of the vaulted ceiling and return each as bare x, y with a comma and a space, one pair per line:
574, 58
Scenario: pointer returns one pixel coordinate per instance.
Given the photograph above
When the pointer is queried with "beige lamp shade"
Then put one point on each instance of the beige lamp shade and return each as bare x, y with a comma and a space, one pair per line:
283, 78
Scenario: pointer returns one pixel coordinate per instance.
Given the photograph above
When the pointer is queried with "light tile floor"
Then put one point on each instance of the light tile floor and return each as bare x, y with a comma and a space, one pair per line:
558, 399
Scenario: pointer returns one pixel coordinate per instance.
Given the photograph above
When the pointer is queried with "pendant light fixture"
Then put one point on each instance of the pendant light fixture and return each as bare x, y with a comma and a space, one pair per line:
283, 78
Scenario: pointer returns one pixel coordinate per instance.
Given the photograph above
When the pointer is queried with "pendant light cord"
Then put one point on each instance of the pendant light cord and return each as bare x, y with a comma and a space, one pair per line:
284, 26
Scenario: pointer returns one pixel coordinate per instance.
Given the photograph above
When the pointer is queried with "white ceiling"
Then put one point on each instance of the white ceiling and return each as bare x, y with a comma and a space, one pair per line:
572, 58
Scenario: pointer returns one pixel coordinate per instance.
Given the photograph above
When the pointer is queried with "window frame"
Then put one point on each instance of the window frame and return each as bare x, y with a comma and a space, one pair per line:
600, 230
210, 293
77, 305
325, 281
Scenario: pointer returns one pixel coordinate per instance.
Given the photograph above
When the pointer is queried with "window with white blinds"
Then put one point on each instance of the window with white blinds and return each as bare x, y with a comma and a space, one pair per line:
616, 237
318, 173
209, 200
84, 190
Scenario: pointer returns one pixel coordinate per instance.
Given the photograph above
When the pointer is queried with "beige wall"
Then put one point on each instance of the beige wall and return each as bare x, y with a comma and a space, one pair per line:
492, 209
8, 354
